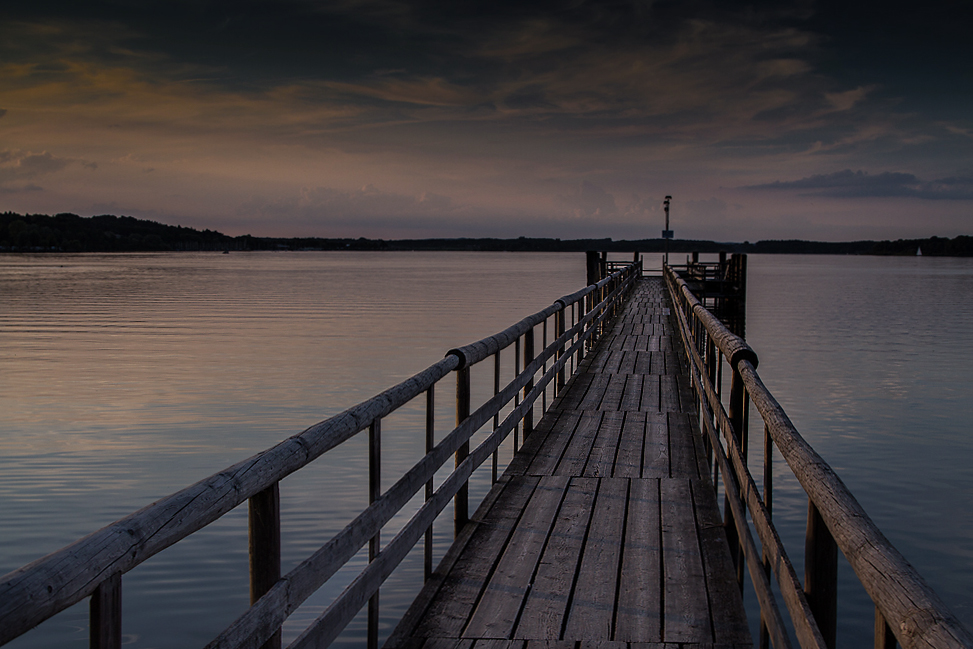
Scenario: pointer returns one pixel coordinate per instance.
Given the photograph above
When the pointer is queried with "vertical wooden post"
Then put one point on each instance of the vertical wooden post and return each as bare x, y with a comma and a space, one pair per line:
581, 314
884, 638
821, 574
769, 504
592, 267
105, 614
430, 443
496, 417
517, 395
528, 359
374, 543
737, 404
575, 319
461, 501
544, 371
559, 331
264, 512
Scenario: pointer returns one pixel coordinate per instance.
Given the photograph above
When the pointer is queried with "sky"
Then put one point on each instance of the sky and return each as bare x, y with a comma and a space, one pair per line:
834, 120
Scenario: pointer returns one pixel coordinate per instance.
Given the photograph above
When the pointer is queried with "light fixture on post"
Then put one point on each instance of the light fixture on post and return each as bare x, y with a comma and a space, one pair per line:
667, 233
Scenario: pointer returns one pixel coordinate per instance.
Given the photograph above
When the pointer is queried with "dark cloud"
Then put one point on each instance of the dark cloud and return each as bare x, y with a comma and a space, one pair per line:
860, 184
21, 165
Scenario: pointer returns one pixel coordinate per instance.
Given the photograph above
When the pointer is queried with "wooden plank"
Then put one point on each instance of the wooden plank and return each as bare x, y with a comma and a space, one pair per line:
668, 395
549, 454
494, 643
631, 397
613, 393
650, 394
628, 460
684, 462
499, 606
550, 644
627, 362
595, 393
592, 608
686, 615
546, 605
601, 459
449, 612
401, 635
725, 600
655, 456
576, 454
543, 435
639, 614
578, 387
643, 363
448, 643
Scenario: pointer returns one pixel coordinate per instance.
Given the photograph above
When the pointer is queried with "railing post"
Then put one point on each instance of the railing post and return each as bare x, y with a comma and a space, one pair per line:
559, 385
430, 443
544, 372
105, 614
374, 543
461, 501
496, 417
884, 638
516, 394
264, 514
769, 504
528, 359
821, 574
737, 405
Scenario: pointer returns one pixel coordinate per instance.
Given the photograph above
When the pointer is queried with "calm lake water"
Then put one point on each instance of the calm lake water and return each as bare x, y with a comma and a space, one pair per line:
124, 378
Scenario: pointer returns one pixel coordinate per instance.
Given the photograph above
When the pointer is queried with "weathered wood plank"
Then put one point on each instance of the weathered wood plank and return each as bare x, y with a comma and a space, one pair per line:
725, 601
544, 610
449, 612
655, 456
686, 617
576, 454
684, 462
668, 394
592, 609
628, 460
601, 459
596, 392
639, 614
613, 392
549, 454
650, 394
631, 398
499, 606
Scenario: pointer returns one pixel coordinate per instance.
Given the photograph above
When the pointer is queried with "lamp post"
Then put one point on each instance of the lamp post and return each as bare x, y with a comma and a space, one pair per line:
667, 233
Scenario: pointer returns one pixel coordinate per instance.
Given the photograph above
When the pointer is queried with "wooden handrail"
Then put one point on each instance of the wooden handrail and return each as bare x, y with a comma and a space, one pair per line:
904, 601
47, 586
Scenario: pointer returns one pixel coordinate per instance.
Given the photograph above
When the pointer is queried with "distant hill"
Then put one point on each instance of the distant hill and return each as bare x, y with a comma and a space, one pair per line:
73, 233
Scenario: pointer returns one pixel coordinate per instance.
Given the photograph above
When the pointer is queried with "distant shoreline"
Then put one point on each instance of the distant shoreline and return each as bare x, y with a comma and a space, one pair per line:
39, 233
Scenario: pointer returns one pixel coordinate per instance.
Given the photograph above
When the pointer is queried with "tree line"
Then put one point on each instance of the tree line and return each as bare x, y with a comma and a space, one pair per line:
107, 233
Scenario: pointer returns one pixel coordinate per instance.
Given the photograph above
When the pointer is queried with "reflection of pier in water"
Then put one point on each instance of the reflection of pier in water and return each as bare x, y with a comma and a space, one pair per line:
605, 528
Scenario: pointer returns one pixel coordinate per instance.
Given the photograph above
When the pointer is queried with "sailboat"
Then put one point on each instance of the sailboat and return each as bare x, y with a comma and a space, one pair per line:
918, 251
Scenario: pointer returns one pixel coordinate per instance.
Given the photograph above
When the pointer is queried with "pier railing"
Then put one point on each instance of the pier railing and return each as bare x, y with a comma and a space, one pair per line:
907, 610
93, 566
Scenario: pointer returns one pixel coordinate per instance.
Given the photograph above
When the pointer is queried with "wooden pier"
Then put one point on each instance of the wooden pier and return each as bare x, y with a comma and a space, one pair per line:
603, 532
605, 526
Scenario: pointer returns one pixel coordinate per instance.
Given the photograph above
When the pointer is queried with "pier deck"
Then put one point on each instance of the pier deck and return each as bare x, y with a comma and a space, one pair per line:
604, 529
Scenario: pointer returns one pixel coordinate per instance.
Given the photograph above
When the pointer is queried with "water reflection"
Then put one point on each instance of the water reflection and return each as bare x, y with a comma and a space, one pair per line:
126, 377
